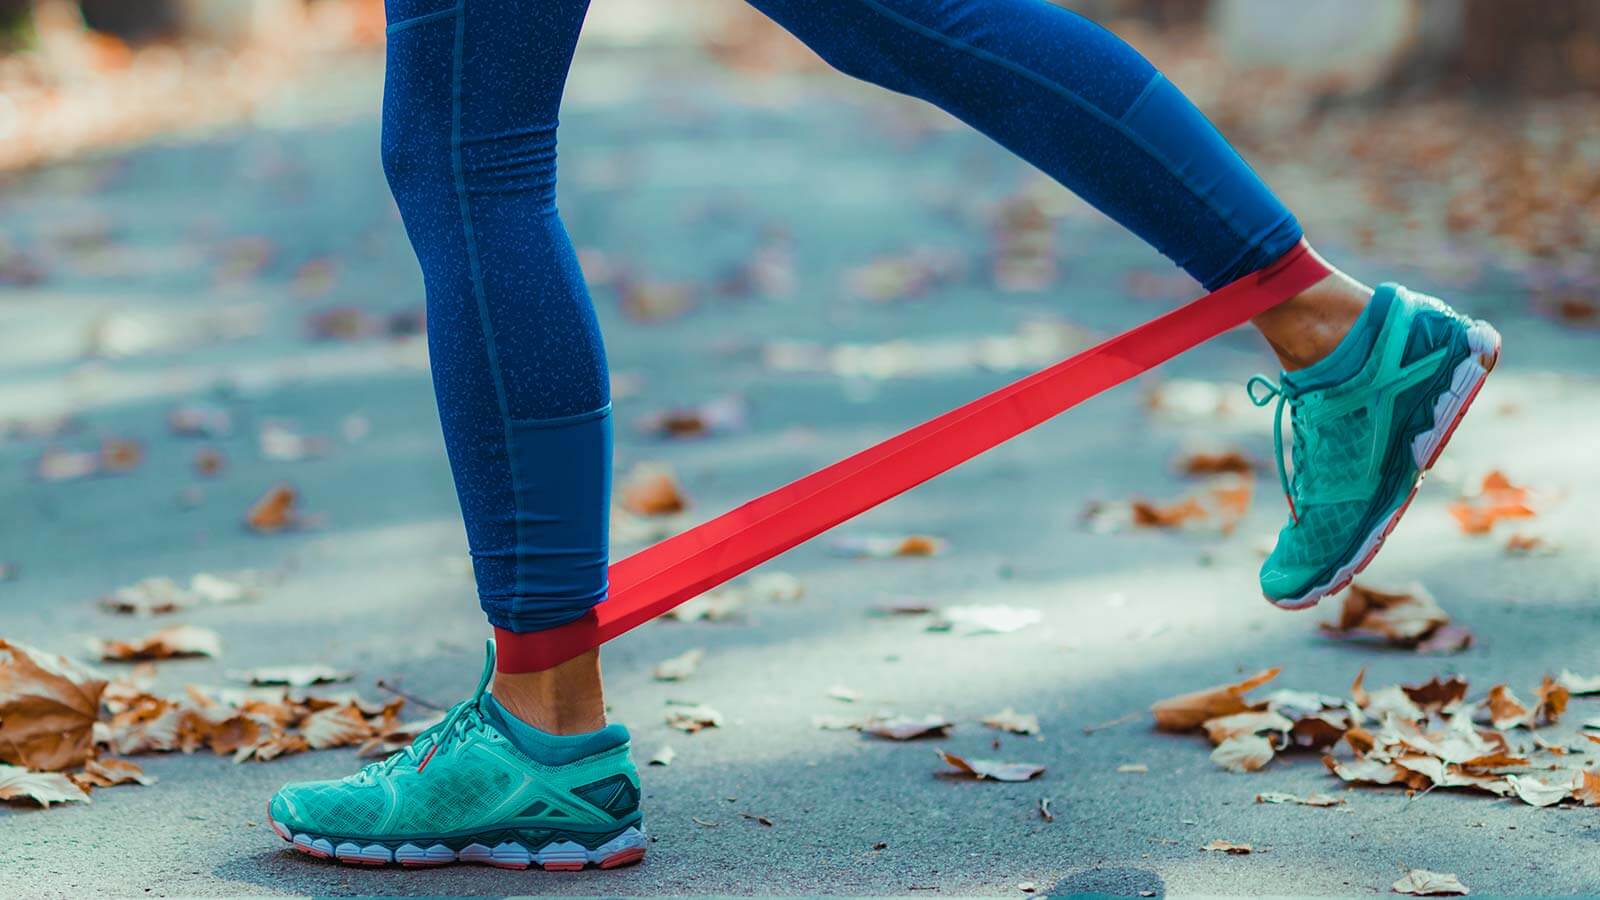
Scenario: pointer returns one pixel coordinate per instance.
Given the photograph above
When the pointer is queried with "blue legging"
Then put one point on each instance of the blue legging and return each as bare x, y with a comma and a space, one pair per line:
469, 147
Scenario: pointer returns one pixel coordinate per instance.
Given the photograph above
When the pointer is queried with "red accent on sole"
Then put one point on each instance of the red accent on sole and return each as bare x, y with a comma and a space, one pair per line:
1309, 602
622, 858
563, 866
507, 865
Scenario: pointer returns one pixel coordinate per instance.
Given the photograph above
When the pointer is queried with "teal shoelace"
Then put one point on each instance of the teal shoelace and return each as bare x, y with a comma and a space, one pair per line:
1272, 389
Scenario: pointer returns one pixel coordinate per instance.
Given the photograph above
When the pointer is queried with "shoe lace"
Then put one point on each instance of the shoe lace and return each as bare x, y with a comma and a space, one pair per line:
464, 718
1269, 390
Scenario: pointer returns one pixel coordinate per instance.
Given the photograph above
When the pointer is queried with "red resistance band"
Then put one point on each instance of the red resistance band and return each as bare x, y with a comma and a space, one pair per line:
660, 577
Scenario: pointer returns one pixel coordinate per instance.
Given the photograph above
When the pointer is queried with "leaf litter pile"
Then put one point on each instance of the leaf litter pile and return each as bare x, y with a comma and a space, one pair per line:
65, 727
1418, 737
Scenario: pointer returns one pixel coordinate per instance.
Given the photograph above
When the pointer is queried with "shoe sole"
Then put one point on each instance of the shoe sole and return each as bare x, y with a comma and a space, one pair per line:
625, 849
1448, 411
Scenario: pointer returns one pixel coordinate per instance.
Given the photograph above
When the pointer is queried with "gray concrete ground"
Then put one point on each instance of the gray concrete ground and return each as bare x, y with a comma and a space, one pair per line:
675, 173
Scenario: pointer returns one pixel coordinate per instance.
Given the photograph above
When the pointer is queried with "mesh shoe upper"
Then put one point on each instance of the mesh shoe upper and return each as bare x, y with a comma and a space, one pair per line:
464, 775
1353, 417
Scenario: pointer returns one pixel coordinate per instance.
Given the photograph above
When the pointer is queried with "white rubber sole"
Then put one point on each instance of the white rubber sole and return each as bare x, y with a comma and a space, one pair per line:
557, 856
1448, 411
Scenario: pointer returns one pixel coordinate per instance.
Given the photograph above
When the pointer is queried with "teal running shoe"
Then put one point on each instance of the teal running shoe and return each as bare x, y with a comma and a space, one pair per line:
1368, 421
477, 787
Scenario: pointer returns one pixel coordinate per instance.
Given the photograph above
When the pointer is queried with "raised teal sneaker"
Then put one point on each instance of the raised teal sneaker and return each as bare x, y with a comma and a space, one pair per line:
479, 787
1368, 421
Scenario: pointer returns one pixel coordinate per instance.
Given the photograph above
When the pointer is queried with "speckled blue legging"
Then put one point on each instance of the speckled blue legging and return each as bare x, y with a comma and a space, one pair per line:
469, 146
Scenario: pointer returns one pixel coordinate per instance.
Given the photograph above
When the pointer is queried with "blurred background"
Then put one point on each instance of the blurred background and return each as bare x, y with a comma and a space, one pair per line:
213, 361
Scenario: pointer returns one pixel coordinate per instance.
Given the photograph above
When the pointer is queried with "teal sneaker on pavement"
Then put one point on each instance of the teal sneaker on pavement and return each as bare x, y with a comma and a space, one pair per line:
1368, 421
480, 787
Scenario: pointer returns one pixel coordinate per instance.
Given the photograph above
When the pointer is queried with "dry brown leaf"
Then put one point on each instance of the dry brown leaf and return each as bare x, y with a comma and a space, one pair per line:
1223, 728
715, 417
990, 769
1010, 720
1192, 710
679, 667
1220, 462
1497, 499
397, 736
1579, 684
906, 728
1540, 791
693, 718
1423, 883
339, 726
652, 491
1308, 800
303, 675
1587, 790
1243, 753
175, 642
1406, 616
1505, 710
43, 788
48, 708
1044, 809
1440, 695
886, 546
275, 511
1229, 847
1552, 701
1374, 771
106, 772
275, 745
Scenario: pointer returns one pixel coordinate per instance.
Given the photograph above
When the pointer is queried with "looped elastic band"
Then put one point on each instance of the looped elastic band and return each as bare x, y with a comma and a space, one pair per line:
660, 577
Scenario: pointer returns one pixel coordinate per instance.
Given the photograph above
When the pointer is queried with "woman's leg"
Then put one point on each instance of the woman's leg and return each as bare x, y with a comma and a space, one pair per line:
469, 147
1375, 383
1076, 101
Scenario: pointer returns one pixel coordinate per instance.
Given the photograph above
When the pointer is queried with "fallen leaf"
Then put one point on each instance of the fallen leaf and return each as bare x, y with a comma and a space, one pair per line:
882, 546
1243, 753
275, 511
174, 642
1440, 695
652, 491
1579, 684
1027, 887
1520, 544
1010, 720
1133, 769
693, 718
1223, 728
679, 667
1308, 800
397, 736
718, 416
844, 694
1505, 710
1587, 789
761, 820
975, 620
1221, 846
1405, 616
303, 675
48, 707
339, 726
664, 756
43, 788
990, 769
1044, 810
1539, 791
107, 772
1188, 711
906, 728
1497, 499
1423, 883
279, 442
1220, 462
1552, 701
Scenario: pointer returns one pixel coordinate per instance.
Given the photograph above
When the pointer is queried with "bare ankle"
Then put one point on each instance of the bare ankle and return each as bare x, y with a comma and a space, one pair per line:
567, 699
1308, 326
